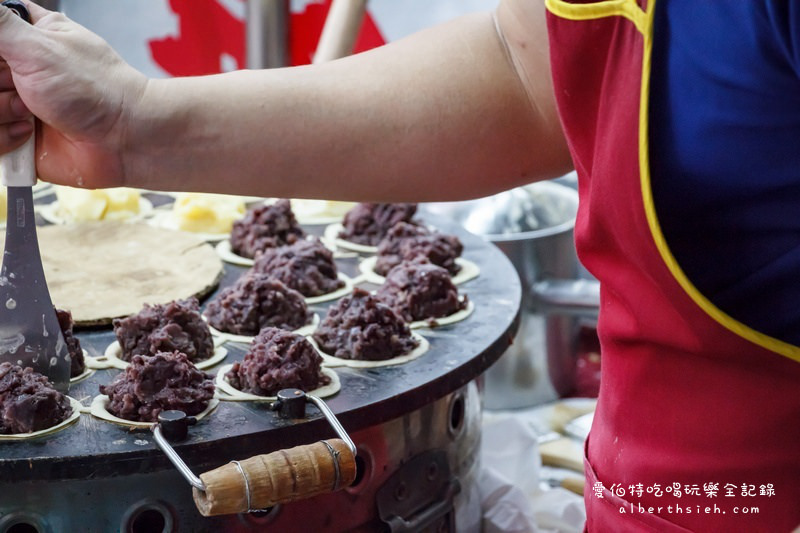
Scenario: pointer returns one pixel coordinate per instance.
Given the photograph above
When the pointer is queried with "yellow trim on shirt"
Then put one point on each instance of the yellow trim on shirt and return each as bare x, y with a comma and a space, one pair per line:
643, 20
606, 8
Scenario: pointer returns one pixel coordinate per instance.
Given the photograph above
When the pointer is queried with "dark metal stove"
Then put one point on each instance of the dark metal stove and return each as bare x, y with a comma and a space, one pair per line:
416, 425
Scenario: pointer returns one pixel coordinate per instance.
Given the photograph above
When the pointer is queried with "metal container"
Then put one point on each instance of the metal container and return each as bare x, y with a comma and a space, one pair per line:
420, 468
533, 226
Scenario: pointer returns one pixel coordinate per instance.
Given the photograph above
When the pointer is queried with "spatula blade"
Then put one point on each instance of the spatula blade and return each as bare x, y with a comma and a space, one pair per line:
29, 330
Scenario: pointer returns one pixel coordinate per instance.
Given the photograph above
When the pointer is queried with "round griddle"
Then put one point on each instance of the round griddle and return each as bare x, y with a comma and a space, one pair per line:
235, 430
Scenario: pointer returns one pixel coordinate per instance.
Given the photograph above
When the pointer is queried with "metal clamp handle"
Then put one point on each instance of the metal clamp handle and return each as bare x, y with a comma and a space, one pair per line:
176, 460
333, 421
287, 475
428, 516
289, 404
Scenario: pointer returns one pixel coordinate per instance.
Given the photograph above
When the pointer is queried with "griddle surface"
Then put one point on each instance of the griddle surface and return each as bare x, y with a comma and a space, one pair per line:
236, 430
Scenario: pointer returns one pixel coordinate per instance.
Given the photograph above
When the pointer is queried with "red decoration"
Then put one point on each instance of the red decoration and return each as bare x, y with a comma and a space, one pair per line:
208, 33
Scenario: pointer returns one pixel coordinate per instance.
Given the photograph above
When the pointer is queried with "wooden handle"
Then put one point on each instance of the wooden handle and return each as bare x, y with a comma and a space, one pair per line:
340, 30
277, 477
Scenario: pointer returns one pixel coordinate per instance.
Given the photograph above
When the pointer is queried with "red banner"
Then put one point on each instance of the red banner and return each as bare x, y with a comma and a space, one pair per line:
211, 39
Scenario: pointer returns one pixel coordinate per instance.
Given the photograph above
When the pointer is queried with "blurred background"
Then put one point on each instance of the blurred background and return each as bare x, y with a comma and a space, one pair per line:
191, 37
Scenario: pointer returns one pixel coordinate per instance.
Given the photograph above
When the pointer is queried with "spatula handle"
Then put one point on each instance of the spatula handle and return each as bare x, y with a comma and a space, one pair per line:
18, 169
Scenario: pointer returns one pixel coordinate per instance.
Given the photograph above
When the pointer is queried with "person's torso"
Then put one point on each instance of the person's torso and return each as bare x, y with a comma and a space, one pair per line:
686, 191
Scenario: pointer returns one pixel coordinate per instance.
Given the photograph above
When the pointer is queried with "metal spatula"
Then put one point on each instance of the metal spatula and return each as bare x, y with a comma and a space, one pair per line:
29, 330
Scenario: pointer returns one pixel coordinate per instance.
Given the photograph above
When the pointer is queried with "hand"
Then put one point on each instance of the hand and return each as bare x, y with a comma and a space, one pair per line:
81, 91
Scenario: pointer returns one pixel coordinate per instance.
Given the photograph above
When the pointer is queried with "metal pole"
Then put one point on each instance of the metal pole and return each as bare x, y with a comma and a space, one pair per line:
267, 33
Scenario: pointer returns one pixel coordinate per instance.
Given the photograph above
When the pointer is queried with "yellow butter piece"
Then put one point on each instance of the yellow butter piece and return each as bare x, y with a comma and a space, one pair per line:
123, 203
207, 213
320, 208
83, 205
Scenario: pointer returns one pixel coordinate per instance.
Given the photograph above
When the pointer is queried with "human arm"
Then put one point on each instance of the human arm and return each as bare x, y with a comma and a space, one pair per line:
447, 113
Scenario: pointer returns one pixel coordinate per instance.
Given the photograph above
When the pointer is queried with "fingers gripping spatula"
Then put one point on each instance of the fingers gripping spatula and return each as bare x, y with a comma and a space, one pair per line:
29, 330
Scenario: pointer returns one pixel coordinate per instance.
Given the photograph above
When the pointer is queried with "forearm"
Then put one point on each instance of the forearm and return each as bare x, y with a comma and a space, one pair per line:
440, 115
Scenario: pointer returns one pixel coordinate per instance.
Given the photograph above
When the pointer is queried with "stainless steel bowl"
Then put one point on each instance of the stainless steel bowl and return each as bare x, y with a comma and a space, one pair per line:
533, 225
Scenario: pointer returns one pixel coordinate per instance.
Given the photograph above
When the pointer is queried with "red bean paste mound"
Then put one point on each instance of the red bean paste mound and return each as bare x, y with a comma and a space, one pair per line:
407, 242
369, 223
155, 383
165, 328
77, 365
254, 302
305, 266
28, 401
277, 360
359, 326
420, 291
263, 227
